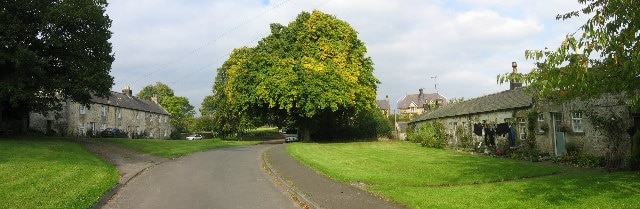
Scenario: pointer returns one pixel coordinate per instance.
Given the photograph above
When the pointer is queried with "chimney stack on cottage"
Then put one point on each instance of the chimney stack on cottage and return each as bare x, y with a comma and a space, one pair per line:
127, 90
514, 84
154, 98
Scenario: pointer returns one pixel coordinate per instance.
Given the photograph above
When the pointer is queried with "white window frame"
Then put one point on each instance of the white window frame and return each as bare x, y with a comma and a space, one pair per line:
540, 117
83, 110
576, 122
103, 111
118, 113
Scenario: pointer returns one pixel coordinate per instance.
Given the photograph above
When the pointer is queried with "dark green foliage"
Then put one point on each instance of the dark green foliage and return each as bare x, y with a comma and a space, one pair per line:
50, 51
634, 161
367, 125
579, 159
532, 123
635, 151
431, 135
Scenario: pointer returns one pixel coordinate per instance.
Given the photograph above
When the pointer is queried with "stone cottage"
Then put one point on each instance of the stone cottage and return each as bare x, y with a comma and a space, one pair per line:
137, 117
507, 112
476, 117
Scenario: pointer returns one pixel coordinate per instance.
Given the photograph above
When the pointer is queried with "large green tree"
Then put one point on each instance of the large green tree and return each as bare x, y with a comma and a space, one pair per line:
50, 51
179, 108
311, 72
603, 56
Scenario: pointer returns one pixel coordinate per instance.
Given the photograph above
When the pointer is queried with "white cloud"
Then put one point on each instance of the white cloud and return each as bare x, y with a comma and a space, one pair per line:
466, 43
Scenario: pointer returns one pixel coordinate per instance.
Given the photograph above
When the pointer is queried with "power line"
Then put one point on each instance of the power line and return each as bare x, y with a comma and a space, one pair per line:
194, 51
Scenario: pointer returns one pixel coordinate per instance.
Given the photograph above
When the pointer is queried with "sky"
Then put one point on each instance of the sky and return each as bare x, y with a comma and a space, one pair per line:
455, 48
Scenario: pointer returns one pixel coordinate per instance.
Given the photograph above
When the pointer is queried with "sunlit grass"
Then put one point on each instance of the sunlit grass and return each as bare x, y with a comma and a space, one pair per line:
430, 178
176, 148
51, 173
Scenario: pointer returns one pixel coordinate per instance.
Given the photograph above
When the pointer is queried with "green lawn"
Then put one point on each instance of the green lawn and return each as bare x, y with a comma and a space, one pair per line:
176, 148
51, 173
430, 178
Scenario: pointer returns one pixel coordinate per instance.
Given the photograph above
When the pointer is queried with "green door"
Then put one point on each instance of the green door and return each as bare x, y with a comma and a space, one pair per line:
558, 138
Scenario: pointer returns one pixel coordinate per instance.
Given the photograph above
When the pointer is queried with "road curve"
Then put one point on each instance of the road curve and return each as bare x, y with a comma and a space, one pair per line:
221, 178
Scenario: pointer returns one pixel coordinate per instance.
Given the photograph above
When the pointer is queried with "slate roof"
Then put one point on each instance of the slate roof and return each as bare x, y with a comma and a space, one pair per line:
130, 102
405, 102
383, 104
506, 100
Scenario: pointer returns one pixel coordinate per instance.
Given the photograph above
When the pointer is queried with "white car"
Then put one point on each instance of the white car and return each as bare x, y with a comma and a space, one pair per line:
194, 137
291, 135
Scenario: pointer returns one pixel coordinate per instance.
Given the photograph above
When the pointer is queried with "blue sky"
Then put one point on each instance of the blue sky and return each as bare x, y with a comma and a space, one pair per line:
465, 43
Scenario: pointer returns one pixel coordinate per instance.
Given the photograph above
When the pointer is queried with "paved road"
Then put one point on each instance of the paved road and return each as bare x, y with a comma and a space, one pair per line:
222, 178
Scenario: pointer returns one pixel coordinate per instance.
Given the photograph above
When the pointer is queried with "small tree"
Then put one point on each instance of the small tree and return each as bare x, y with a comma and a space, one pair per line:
432, 134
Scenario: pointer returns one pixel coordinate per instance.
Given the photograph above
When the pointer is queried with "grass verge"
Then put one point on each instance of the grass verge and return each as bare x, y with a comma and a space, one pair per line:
51, 173
430, 178
176, 148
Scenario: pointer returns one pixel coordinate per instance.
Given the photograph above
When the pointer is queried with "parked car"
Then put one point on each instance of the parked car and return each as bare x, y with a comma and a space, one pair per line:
291, 135
113, 132
194, 137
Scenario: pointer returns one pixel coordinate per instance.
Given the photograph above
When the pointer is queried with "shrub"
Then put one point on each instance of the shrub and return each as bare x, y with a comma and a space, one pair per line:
465, 140
430, 135
580, 160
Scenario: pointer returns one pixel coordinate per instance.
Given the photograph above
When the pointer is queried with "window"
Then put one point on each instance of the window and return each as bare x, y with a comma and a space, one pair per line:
166, 118
137, 115
540, 116
412, 109
103, 127
119, 113
83, 110
576, 121
522, 128
103, 111
159, 118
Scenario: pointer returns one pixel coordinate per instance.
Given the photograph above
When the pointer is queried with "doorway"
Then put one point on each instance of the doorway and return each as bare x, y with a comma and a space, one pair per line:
558, 135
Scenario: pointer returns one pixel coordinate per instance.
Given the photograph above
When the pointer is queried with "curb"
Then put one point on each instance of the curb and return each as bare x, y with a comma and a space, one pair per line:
303, 200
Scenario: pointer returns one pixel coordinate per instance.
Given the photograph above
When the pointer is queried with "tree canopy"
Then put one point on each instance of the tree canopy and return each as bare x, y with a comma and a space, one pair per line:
179, 108
603, 56
53, 50
314, 70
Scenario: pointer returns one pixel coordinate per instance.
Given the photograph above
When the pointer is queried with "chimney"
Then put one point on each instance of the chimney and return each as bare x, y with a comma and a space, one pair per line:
127, 90
514, 84
154, 98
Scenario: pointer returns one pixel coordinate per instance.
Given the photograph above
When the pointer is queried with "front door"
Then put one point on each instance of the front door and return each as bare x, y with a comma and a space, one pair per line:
558, 135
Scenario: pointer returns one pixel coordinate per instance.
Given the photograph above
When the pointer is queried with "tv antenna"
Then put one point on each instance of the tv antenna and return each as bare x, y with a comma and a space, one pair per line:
435, 82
